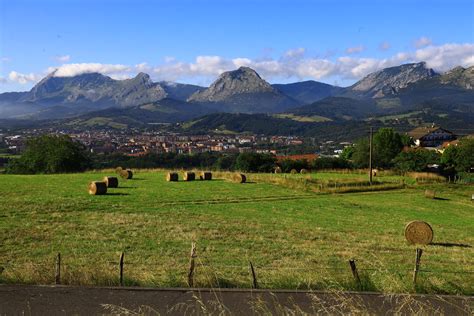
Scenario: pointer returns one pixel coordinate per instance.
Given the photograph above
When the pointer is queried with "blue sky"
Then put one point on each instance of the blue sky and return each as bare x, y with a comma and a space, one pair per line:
337, 42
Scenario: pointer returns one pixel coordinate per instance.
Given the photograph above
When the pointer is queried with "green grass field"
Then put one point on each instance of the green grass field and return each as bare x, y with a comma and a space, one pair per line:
295, 238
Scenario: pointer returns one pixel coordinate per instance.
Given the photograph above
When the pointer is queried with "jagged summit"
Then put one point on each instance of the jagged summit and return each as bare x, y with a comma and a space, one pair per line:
229, 83
390, 80
459, 76
243, 90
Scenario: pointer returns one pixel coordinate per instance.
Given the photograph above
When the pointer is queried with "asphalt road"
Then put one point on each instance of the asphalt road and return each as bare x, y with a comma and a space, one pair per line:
66, 300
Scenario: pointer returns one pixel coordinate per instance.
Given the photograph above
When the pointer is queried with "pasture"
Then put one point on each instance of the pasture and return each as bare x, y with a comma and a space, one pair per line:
295, 238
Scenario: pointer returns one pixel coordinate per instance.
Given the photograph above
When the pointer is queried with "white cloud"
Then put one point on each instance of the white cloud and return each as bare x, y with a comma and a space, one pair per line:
355, 49
23, 78
294, 53
292, 65
169, 59
384, 46
62, 59
423, 42
69, 70
447, 56
3, 80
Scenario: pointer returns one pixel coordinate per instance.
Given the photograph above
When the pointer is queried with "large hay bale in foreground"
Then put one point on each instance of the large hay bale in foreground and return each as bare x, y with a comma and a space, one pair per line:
205, 175
277, 169
239, 177
126, 174
189, 176
97, 188
172, 177
111, 182
419, 232
430, 194
294, 171
304, 171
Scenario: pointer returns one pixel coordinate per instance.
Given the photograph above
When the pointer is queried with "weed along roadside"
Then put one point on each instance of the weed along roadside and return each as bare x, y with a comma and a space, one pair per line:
293, 229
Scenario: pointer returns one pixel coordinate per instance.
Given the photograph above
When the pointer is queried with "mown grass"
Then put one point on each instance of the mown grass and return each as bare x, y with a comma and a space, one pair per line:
296, 238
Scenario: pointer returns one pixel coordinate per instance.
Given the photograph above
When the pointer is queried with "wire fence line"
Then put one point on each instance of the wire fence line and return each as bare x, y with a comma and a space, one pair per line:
195, 263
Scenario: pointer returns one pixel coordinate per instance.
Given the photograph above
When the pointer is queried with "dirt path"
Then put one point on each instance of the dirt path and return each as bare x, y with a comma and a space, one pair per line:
65, 300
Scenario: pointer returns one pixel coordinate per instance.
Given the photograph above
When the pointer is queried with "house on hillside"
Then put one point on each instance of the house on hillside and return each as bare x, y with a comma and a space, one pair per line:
431, 136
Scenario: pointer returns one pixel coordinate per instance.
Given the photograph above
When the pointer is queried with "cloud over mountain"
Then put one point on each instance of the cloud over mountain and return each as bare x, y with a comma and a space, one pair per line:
294, 64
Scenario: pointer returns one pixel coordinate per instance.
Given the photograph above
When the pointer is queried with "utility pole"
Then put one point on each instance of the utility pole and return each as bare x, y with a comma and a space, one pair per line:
370, 155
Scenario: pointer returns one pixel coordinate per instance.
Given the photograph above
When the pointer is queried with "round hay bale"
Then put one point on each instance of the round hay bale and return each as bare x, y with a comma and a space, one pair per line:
304, 171
189, 176
126, 174
240, 178
293, 171
419, 232
430, 194
111, 182
374, 172
97, 188
118, 170
277, 169
172, 176
205, 175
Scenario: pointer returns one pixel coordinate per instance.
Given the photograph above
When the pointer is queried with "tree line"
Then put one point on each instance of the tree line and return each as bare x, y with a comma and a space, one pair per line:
61, 154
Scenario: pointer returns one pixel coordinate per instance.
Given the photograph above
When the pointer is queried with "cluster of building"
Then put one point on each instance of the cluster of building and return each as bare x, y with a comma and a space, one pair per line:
136, 143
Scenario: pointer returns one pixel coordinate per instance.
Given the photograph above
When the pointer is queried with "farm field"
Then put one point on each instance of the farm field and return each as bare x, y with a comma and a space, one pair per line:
296, 239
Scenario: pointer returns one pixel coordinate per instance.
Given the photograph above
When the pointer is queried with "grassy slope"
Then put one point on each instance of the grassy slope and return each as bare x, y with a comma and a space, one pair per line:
296, 239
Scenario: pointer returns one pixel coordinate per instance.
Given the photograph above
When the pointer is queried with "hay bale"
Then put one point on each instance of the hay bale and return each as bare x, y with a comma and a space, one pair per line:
97, 188
430, 194
118, 170
172, 177
111, 182
293, 171
419, 232
304, 171
126, 174
189, 176
374, 172
277, 169
239, 178
205, 175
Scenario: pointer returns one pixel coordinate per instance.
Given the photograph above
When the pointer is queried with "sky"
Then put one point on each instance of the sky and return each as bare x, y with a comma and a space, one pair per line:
337, 42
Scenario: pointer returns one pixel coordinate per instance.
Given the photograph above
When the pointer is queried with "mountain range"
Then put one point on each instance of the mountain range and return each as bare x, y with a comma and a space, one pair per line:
95, 100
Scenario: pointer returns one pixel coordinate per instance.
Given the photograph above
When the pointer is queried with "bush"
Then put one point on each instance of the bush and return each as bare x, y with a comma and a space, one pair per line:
253, 162
416, 160
460, 157
331, 163
51, 154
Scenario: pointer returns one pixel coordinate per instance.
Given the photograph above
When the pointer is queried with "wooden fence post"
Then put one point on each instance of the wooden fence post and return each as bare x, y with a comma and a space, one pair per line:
121, 268
419, 252
58, 269
254, 276
355, 273
191, 265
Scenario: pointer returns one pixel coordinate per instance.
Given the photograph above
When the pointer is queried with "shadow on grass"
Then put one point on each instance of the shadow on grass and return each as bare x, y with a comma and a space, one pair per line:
440, 199
118, 193
450, 244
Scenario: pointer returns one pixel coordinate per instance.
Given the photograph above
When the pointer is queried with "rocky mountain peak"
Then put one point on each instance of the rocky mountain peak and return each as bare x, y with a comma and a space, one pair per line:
459, 76
389, 81
240, 81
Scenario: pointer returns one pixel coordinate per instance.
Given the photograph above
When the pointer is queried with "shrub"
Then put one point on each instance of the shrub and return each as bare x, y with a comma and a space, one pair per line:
51, 154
